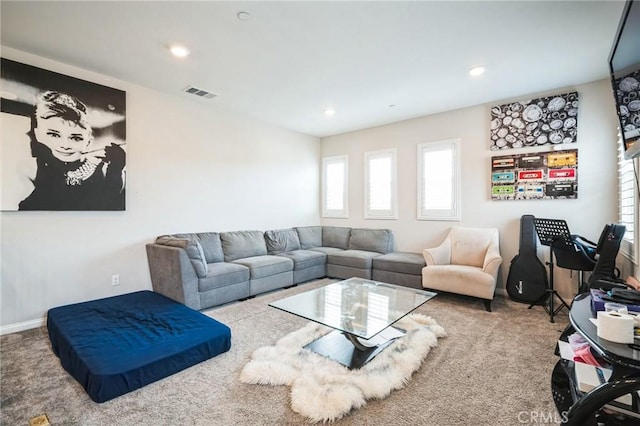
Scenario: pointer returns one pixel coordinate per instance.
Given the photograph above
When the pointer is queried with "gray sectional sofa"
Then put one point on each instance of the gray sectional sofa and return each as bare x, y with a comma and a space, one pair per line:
207, 269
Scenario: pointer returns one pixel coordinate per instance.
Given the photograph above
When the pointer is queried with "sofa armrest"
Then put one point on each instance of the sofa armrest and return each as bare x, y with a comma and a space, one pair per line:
492, 261
173, 274
440, 255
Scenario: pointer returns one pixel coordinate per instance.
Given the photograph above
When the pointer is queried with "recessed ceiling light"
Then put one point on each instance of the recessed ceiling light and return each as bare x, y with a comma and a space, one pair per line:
475, 71
179, 51
329, 112
243, 16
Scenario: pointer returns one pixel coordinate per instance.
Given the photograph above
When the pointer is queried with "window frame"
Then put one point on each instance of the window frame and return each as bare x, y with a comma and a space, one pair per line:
335, 213
392, 212
455, 212
627, 174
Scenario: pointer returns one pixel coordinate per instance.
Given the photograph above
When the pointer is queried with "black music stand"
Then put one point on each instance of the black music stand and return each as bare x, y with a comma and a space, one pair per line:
553, 233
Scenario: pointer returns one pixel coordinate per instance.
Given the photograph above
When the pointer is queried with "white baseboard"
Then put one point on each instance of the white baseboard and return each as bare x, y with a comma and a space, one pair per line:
21, 326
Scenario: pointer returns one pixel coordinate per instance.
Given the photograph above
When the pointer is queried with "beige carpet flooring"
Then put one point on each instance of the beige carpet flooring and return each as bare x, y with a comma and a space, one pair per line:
492, 369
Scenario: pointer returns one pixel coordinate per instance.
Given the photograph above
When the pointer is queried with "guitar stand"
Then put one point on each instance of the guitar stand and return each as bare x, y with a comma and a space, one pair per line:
551, 232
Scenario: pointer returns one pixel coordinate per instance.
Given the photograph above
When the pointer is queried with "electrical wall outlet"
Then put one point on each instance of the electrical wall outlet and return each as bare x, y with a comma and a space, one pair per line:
115, 280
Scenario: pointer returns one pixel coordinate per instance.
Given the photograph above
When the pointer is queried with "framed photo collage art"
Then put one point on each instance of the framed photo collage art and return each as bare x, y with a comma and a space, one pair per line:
539, 127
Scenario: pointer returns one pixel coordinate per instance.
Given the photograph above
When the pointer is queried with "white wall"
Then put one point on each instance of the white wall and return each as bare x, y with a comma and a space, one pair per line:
597, 199
194, 167
190, 167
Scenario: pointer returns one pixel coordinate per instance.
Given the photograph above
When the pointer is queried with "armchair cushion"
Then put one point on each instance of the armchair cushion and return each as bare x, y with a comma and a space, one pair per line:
459, 279
469, 246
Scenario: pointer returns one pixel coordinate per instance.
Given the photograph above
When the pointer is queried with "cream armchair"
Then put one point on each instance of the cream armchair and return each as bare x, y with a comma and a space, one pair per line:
466, 262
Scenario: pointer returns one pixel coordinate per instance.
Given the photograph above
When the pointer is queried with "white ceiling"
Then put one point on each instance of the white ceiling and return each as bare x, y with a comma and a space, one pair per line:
292, 60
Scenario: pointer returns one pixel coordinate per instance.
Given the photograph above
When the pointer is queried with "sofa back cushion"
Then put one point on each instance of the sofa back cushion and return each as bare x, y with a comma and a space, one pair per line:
378, 240
336, 236
241, 244
212, 246
309, 236
281, 240
191, 245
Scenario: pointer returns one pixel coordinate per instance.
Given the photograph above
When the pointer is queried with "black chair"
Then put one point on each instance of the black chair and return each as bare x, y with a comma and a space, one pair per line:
576, 254
605, 274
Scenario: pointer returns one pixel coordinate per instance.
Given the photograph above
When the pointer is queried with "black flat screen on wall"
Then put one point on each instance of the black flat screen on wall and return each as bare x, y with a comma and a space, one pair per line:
624, 64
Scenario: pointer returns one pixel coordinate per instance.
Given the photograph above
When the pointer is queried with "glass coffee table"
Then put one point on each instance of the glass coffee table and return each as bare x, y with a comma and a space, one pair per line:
361, 313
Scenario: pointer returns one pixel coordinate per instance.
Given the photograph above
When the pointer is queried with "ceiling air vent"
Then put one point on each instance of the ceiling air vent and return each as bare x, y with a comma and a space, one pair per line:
200, 92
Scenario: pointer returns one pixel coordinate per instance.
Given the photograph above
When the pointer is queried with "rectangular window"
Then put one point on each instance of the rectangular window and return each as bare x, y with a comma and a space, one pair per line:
627, 205
439, 180
335, 184
380, 189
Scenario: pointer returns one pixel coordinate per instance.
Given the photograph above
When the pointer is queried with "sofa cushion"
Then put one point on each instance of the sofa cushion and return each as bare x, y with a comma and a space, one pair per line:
353, 258
265, 266
210, 243
326, 250
310, 236
241, 244
335, 236
222, 274
193, 248
402, 262
303, 259
212, 246
281, 240
379, 240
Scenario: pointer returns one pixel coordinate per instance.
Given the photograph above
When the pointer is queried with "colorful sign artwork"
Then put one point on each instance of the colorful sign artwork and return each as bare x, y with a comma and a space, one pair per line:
537, 176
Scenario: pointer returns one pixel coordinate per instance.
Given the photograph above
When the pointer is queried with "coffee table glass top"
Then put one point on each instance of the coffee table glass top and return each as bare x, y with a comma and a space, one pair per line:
356, 306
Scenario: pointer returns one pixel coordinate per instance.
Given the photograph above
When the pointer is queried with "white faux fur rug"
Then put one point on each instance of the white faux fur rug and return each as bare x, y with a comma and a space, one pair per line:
325, 390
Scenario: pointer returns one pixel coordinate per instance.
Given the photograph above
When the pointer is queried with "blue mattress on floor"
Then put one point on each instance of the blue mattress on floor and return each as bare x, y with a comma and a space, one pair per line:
115, 345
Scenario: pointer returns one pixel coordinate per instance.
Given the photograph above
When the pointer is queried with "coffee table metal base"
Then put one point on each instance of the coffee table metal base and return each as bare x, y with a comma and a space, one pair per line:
345, 349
